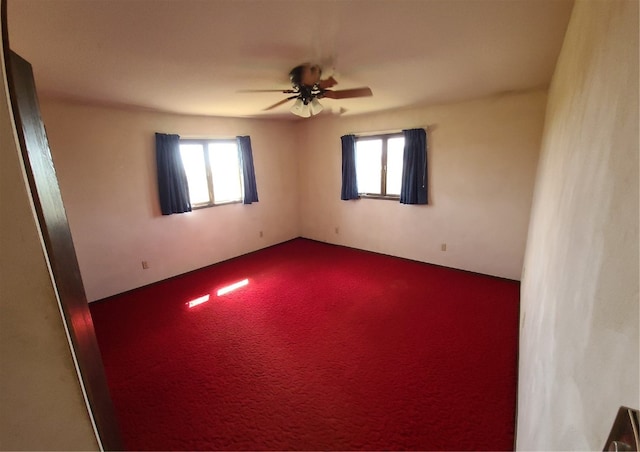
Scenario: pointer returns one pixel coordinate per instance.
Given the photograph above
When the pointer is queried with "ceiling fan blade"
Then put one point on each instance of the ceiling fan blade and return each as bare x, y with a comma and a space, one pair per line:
348, 93
277, 104
285, 91
327, 83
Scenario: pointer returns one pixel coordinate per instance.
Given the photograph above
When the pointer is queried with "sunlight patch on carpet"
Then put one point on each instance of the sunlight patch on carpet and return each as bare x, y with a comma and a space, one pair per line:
232, 287
196, 301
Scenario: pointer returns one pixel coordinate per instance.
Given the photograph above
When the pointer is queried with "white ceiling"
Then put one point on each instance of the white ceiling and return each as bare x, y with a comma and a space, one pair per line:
193, 56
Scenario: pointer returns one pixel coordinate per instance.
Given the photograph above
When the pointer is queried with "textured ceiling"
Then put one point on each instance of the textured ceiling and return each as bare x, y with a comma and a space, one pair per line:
193, 56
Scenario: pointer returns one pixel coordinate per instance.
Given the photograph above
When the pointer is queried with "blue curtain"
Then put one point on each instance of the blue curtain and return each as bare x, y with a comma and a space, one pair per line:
172, 180
414, 167
248, 172
349, 178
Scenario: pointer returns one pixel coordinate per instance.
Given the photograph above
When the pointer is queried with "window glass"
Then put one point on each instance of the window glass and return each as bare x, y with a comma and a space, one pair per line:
395, 155
213, 176
194, 166
225, 171
369, 166
379, 162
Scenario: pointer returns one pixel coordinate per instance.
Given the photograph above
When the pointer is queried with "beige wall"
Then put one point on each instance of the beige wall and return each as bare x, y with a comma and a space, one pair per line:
482, 161
41, 402
579, 317
482, 158
105, 158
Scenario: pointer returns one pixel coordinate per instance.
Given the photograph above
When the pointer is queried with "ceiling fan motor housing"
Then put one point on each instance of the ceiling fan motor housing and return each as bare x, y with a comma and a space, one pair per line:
304, 79
305, 75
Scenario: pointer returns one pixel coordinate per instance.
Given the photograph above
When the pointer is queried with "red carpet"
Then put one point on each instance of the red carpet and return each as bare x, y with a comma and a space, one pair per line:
326, 348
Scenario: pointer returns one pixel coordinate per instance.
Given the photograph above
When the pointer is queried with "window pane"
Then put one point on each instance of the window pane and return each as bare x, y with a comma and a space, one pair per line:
225, 170
395, 153
369, 166
193, 161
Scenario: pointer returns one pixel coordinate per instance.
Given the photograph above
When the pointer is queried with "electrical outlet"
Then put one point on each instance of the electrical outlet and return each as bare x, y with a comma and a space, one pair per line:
443, 247
145, 265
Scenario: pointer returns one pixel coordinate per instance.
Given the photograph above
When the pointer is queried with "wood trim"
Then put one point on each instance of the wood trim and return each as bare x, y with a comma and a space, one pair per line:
59, 246
384, 138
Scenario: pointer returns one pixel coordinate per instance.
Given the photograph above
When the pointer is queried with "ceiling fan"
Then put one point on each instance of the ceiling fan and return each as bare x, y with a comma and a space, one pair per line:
308, 87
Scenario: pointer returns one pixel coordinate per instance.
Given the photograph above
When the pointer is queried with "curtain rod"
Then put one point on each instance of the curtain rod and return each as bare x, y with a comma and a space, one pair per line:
388, 132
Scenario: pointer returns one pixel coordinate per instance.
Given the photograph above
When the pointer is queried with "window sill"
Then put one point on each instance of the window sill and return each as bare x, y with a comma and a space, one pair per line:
388, 198
205, 206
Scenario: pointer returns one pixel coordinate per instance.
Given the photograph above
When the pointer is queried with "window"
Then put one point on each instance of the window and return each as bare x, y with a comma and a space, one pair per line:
213, 171
379, 165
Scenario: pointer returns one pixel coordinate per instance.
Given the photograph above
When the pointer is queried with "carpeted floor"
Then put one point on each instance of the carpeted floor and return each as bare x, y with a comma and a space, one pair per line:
326, 348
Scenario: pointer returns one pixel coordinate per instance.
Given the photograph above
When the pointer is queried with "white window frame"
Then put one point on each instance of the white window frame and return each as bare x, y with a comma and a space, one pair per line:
210, 182
383, 172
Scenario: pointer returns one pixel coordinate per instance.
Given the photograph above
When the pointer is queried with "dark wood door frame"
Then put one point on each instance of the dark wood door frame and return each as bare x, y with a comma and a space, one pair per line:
60, 250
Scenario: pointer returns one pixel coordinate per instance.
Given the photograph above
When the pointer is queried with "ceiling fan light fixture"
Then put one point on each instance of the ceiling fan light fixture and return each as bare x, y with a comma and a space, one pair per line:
315, 106
301, 109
